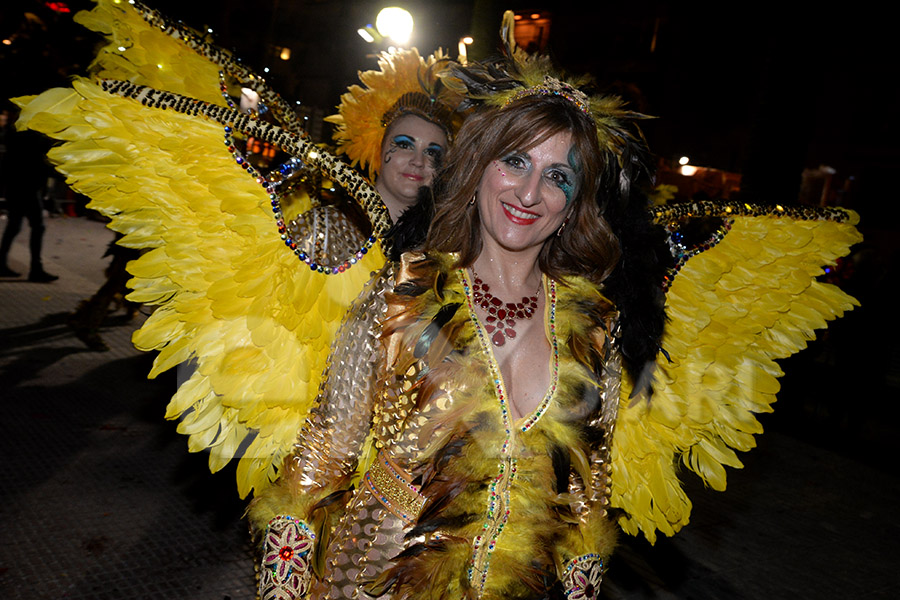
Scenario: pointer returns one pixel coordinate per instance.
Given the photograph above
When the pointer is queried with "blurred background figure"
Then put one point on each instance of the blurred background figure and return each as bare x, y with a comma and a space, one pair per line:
23, 170
90, 314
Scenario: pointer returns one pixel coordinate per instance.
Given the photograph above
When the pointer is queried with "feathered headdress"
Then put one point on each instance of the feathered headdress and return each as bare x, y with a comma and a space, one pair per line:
404, 84
635, 286
519, 74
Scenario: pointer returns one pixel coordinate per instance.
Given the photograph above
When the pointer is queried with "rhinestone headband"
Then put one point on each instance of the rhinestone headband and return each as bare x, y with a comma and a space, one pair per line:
555, 87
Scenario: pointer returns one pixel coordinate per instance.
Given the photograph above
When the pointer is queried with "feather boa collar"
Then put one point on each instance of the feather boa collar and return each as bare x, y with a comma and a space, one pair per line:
498, 505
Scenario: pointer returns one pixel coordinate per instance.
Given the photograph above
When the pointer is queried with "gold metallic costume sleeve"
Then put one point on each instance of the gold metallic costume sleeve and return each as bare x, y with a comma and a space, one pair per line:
581, 554
328, 448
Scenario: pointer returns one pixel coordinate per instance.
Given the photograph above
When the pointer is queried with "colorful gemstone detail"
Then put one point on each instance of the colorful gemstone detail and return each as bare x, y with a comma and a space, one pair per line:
501, 316
497, 512
583, 576
270, 184
554, 370
286, 570
671, 217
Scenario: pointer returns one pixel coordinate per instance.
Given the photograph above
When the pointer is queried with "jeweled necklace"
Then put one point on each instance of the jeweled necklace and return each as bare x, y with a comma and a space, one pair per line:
502, 316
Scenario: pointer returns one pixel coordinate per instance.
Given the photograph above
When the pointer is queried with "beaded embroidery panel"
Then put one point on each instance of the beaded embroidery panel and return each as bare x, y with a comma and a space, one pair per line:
497, 513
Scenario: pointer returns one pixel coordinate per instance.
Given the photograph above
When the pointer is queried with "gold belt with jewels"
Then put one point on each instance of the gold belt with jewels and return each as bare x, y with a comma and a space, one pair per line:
393, 488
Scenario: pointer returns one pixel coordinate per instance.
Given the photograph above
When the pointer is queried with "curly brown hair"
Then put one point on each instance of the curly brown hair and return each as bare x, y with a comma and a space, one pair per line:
586, 246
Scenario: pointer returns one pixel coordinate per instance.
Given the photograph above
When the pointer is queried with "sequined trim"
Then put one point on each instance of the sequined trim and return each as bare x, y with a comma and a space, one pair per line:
554, 366
551, 86
497, 515
222, 58
663, 214
498, 498
682, 253
292, 143
673, 215
392, 487
270, 185
583, 576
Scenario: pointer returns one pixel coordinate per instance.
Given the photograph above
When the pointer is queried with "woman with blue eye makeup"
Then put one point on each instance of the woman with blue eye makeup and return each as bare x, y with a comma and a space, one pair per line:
502, 443
410, 151
481, 473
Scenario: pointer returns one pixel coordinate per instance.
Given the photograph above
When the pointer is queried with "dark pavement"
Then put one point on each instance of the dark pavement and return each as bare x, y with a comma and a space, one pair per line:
100, 498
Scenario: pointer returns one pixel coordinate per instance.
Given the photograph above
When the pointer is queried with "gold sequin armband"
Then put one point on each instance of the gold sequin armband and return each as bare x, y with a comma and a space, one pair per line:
287, 552
393, 488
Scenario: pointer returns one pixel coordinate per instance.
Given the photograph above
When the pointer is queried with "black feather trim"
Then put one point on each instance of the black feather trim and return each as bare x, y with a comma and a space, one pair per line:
409, 288
635, 286
339, 497
445, 523
409, 232
432, 330
561, 464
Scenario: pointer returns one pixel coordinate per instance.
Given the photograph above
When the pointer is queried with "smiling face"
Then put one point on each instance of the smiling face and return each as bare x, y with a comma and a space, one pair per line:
410, 150
525, 196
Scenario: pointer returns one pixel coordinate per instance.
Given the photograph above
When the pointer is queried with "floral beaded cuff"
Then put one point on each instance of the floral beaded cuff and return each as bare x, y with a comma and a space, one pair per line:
286, 572
583, 576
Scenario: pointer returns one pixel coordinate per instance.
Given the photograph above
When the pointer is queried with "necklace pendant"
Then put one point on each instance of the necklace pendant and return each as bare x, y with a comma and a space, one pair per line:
501, 316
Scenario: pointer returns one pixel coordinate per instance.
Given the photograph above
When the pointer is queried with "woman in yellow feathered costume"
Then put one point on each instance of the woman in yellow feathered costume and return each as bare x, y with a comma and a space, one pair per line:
489, 415
480, 457
483, 458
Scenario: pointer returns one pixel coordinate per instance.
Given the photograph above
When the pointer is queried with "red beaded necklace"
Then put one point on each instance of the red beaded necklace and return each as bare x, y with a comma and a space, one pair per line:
502, 316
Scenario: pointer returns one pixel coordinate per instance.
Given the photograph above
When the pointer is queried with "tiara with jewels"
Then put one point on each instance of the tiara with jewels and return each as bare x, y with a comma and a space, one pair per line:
501, 81
555, 87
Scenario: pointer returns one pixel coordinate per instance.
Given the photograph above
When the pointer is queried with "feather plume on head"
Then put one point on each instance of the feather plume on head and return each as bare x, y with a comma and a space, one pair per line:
499, 82
404, 83
635, 285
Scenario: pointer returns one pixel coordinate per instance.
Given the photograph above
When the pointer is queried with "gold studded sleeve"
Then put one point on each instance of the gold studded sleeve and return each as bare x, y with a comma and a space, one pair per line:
582, 553
330, 445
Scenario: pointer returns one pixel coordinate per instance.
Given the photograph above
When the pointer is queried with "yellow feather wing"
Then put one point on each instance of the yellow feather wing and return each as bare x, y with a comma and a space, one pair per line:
733, 311
255, 321
145, 48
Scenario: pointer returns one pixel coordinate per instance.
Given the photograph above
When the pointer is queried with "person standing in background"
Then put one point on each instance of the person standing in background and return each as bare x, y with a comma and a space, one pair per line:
23, 170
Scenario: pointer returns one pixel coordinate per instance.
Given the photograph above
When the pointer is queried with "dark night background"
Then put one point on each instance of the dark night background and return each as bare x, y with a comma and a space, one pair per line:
765, 90
752, 90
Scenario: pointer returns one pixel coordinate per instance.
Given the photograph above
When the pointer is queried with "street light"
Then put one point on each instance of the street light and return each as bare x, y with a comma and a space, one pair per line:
686, 168
395, 23
367, 33
463, 51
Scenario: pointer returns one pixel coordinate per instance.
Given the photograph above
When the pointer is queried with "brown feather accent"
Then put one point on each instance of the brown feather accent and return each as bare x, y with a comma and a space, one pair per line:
421, 572
398, 322
581, 350
433, 518
432, 332
454, 441
324, 516
582, 466
443, 343
440, 278
427, 437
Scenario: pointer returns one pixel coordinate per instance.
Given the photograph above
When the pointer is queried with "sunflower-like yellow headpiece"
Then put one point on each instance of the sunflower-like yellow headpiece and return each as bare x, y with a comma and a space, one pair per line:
404, 83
